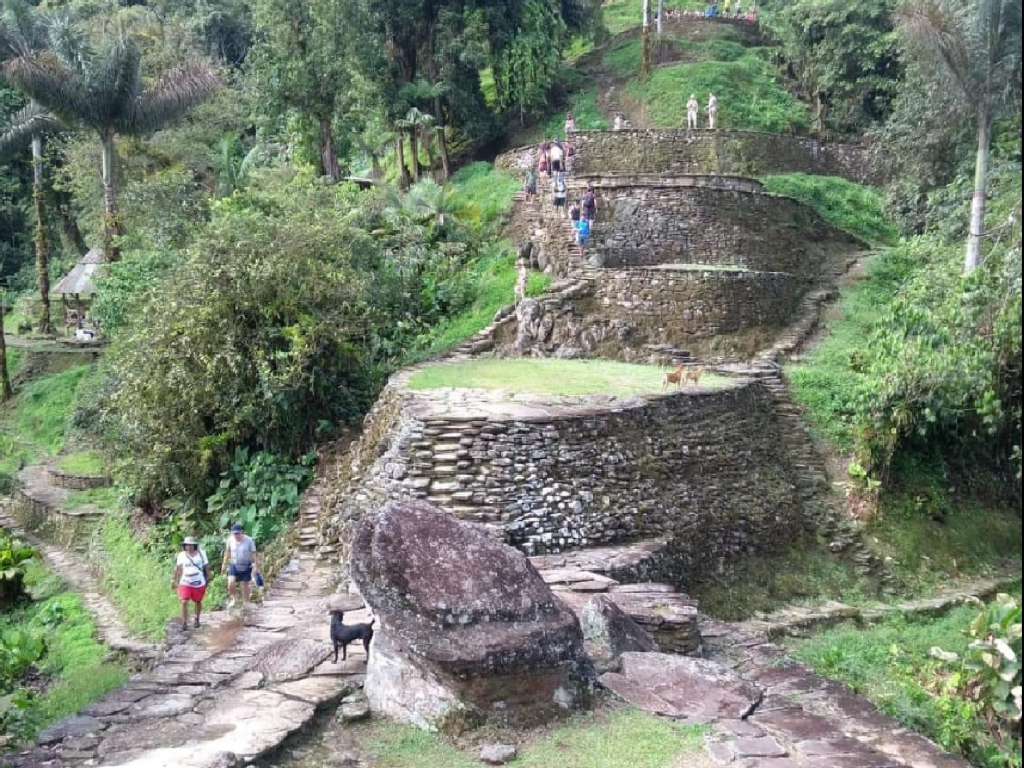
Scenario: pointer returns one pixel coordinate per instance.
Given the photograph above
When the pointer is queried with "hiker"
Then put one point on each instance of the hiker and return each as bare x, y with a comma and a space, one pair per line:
239, 563
575, 213
712, 110
559, 191
191, 575
530, 185
618, 124
582, 228
556, 155
570, 125
589, 204
692, 108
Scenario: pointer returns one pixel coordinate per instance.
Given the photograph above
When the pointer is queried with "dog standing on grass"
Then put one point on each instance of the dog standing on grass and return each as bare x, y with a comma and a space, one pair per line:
342, 635
673, 377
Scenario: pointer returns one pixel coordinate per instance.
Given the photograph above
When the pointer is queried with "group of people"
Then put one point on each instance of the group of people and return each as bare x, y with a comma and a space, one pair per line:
192, 572
693, 109
729, 11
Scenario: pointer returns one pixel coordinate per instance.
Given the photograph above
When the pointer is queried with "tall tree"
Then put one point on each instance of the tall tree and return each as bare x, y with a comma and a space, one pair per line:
103, 90
302, 62
972, 48
23, 31
6, 393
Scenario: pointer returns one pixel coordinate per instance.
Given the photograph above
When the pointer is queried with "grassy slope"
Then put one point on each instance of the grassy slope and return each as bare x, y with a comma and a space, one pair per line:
561, 377
622, 738
891, 664
75, 663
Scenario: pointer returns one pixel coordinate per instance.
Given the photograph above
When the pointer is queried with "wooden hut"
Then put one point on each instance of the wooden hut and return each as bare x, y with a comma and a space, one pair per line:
76, 289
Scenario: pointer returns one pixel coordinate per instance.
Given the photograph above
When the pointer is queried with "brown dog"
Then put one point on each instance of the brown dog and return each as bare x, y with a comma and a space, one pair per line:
693, 375
672, 377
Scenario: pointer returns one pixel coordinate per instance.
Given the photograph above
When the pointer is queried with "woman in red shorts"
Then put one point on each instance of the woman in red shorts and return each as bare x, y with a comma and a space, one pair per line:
191, 575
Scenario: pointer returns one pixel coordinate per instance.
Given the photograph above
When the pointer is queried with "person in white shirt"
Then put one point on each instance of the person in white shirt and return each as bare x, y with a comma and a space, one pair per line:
712, 110
692, 108
191, 575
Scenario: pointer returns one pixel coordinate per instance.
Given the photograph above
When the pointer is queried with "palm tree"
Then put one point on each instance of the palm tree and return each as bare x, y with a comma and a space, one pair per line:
104, 91
21, 32
973, 47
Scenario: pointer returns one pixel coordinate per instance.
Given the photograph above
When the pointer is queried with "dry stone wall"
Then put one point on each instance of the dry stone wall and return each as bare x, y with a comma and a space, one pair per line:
703, 469
707, 220
735, 153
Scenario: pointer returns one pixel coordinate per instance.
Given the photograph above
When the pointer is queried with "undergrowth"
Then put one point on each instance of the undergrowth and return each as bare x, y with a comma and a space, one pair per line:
891, 664
74, 668
851, 207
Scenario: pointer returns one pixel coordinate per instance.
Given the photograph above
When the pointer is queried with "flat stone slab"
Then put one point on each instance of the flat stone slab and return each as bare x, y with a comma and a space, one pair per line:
289, 659
321, 689
682, 687
245, 725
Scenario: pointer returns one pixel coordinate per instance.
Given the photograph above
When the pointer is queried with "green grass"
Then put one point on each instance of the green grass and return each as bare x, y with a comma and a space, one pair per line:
107, 498
828, 381
560, 377
489, 189
582, 104
494, 278
75, 661
136, 580
622, 738
620, 15
83, 463
749, 97
891, 665
854, 208
39, 413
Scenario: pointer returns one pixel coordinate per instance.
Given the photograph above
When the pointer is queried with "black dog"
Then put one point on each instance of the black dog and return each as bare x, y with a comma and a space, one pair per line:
341, 635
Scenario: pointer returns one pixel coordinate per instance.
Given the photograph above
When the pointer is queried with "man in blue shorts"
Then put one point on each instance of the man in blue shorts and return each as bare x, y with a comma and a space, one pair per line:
582, 234
239, 563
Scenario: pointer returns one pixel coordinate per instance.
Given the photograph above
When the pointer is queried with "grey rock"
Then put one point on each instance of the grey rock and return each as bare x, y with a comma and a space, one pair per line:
498, 754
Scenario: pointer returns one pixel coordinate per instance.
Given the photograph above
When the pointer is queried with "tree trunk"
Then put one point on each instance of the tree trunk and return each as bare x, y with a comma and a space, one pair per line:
328, 157
645, 58
977, 231
426, 139
820, 113
5, 378
376, 173
41, 240
414, 150
442, 142
111, 220
403, 172
661, 10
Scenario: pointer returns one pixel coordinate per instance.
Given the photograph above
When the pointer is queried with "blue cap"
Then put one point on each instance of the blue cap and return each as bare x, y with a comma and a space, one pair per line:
237, 528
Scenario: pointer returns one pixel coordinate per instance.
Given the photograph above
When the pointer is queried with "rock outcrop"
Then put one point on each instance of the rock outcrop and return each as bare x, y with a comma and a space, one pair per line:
468, 630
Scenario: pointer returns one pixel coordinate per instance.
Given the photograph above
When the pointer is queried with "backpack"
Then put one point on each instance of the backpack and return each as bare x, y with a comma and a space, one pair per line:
559, 187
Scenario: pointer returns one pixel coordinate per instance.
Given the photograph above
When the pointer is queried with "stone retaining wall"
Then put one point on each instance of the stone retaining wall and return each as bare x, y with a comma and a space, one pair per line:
737, 153
712, 313
74, 482
68, 529
701, 468
710, 220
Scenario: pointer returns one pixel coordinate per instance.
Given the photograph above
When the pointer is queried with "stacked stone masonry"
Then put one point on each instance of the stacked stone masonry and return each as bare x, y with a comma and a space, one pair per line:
734, 153
701, 468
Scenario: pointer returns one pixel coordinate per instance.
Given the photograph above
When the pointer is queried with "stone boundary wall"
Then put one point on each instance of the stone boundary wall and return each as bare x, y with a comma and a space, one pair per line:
708, 220
698, 29
75, 482
736, 153
630, 314
69, 529
703, 469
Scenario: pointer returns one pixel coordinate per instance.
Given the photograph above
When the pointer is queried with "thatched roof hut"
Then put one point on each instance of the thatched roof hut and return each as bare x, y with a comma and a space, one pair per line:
79, 281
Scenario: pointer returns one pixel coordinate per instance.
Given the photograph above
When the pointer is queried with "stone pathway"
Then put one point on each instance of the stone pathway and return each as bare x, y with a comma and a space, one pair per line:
76, 574
237, 690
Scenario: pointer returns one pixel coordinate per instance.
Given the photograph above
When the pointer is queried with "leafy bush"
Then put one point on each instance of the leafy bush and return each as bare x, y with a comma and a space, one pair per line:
13, 556
851, 207
261, 491
286, 313
991, 665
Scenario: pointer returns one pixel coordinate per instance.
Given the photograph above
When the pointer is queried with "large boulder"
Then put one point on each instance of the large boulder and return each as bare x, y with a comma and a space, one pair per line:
468, 630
